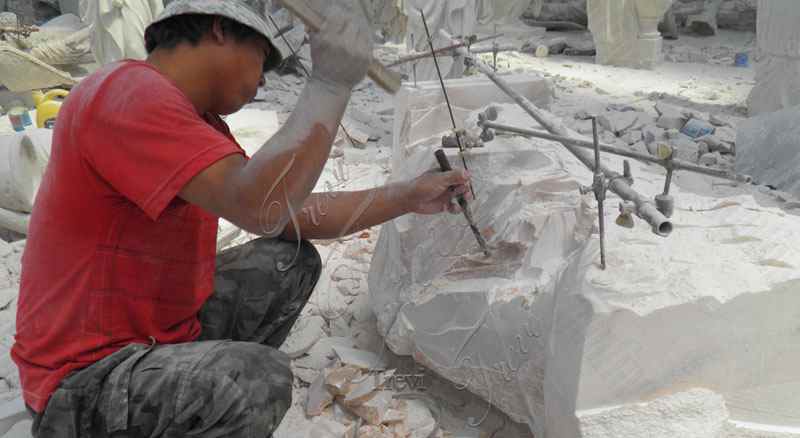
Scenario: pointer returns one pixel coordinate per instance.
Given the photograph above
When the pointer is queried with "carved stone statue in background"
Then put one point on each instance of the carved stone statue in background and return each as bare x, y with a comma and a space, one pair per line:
626, 31
119, 27
778, 69
573, 11
501, 11
457, 17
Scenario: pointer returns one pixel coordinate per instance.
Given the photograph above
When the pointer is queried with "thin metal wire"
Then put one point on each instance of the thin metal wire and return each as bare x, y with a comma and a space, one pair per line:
446, 97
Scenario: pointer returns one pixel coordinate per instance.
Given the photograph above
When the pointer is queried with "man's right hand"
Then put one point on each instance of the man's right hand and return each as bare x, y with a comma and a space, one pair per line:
341, 51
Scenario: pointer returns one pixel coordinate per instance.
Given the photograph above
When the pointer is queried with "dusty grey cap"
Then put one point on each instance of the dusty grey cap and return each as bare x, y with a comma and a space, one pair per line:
247, 12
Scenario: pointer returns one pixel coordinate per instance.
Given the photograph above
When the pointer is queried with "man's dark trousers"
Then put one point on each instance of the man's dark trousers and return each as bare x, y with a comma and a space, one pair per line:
232, 382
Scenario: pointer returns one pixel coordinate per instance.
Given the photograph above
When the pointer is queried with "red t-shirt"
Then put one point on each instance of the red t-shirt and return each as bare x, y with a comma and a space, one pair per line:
113, 256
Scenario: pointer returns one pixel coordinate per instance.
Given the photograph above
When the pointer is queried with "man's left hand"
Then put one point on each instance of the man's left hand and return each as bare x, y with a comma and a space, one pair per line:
435, 192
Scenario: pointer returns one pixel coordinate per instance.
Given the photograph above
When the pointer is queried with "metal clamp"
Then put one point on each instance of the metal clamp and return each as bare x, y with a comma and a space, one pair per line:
626, 212
665, 203
464, 139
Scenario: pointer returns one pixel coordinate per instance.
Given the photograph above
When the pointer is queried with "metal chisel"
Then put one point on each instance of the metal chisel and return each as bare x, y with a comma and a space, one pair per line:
444, 163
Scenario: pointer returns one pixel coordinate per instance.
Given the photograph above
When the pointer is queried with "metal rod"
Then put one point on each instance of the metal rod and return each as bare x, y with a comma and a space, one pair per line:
494, 51
414, 67
441, 78
602, 221
596, 144
283, 31
645, 209
599, 194
446, 97
675, 164
668, 182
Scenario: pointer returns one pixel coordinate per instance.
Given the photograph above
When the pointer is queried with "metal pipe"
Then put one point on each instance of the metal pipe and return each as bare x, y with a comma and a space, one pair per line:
427, 54
645, 209
675, 164
498, 49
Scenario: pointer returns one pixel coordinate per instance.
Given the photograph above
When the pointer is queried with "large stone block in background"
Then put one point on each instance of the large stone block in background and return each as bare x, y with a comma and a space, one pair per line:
23, 8
768, 149
738, 15
558, 10
778, 69
501, 11
733, 14
705, 319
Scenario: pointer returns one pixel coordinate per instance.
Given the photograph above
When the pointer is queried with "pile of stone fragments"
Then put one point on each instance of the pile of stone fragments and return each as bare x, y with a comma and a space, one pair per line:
696, 136
354, 392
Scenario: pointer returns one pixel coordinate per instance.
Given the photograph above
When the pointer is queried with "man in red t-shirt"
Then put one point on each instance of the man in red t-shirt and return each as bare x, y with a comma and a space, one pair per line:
128, 323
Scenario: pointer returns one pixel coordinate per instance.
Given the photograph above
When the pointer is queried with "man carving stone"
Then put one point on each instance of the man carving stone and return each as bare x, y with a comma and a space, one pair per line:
127, 324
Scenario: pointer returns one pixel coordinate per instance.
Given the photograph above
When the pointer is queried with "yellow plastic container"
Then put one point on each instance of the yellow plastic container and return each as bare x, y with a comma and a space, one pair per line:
47, 106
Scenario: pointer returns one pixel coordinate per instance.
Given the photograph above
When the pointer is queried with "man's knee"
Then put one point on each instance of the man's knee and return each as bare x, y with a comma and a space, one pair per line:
250, 363
291, 254
262, 363
251, 385
299, 260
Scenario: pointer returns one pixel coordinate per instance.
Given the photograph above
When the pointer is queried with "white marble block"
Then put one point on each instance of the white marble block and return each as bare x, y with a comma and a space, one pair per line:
421, 111
539, 331
778, 69
476, 322
768, 149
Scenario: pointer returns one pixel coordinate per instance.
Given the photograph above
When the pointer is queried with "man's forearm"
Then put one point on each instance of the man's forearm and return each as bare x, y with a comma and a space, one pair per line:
337, 214
282, 174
